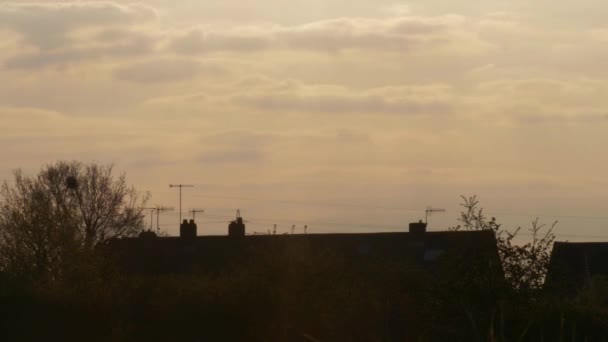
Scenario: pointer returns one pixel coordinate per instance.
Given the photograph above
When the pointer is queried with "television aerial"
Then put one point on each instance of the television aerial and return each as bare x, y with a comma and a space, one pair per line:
430, 211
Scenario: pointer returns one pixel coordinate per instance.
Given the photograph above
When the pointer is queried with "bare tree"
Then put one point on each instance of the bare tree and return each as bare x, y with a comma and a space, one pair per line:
68, 206
524, 265
106, 206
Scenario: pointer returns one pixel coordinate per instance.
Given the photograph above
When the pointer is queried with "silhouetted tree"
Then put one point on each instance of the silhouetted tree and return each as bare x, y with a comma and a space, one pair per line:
68, 207
524, 265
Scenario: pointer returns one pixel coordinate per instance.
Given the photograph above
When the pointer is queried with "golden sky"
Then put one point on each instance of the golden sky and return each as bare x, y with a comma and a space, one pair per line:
332, 113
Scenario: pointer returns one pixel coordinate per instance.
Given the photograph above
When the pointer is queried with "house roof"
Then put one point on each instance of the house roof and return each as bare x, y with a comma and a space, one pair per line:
161, 255
574, 263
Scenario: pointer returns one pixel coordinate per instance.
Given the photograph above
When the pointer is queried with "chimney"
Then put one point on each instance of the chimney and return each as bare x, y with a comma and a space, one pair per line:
147, 235
236, 228
187, 230
418, 227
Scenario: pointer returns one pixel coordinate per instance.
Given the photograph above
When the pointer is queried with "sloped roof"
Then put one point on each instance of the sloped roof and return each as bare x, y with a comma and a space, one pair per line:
403, 277
162, 255
574, 263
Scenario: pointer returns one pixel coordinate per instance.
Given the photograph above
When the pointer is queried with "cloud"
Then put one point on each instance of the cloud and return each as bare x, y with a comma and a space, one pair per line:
166, 70
76, 32
396, 9
196, 41
559, 102
400, 34
128, 45
293, 96
259, 95
341, 104
249, 146
49, 25
557, 93
66, 33
540, 117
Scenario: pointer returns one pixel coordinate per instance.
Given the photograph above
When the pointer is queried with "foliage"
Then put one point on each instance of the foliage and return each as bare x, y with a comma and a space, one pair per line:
524, 266
48, 220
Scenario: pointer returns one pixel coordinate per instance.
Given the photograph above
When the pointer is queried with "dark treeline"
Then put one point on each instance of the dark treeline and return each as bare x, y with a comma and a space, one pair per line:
280, 294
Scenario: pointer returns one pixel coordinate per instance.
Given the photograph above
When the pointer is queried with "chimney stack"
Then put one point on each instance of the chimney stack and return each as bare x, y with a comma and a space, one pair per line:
236, 228
418, 227
188, 230
147, 235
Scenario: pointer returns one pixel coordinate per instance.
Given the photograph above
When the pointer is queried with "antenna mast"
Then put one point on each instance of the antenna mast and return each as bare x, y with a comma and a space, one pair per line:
180, 186
151, 215
158, 211
430, 210
194, 211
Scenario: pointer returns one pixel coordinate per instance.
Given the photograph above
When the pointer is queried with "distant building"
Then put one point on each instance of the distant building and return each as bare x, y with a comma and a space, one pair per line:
573, 265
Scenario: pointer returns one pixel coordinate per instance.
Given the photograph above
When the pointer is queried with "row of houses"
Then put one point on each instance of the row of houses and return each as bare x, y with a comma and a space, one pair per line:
572, 264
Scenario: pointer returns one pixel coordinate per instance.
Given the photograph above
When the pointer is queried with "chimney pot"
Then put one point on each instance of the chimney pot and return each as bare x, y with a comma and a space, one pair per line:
188, 230
418, 227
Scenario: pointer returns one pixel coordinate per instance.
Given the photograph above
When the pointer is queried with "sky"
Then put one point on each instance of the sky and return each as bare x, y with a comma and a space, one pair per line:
346, 116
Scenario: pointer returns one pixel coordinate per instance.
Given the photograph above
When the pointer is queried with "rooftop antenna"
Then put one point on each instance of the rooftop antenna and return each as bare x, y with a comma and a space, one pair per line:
158, 211
430, 210
180, 186
151, 215
194, 211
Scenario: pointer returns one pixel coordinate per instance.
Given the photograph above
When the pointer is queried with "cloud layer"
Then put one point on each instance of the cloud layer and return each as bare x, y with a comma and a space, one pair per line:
371, 102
